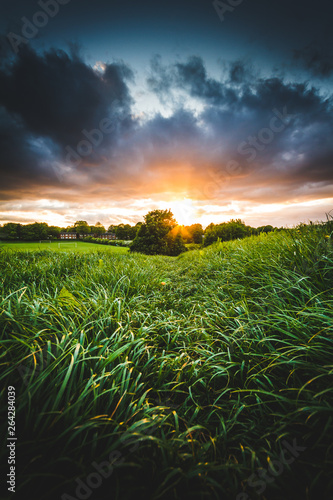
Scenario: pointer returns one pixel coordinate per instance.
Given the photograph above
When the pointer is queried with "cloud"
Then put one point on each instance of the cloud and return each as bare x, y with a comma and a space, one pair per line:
57, 96
47, 101
159, 81
276, 133
240, 71
316, 59
190, 76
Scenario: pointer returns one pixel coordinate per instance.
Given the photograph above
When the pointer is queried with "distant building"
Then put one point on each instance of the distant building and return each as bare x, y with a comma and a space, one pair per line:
74, 236
68, 236
107, 236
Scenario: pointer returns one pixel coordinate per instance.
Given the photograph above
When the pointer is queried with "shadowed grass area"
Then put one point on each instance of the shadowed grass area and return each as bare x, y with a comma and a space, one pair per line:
193, 371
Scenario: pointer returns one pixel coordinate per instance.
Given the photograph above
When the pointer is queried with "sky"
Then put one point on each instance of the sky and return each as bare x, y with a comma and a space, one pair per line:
216, 110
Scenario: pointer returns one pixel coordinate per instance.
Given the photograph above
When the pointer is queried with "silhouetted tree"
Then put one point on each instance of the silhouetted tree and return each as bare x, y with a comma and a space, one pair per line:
155, 235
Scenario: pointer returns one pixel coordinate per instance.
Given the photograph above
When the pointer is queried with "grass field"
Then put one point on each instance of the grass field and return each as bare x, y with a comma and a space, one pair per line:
206, 376
60, 246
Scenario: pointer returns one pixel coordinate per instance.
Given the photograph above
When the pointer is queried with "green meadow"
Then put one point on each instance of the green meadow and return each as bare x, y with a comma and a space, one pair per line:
58, 246
203, 376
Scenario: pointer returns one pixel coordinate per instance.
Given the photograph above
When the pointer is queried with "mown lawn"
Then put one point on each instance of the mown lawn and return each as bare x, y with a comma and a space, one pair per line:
60, 246
206, 376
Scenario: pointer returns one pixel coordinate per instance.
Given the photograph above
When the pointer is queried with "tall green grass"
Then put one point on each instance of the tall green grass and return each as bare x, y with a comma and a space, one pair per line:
195, 369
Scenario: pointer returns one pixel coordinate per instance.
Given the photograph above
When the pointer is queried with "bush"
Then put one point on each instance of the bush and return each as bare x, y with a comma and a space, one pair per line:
102, 241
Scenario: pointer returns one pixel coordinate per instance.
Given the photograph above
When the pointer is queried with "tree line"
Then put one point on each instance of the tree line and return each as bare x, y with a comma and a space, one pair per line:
42, 231
232, 230
158, 234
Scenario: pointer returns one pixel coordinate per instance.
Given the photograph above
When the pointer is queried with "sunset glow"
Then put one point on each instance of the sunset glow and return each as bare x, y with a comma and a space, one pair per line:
121, 121
184, 212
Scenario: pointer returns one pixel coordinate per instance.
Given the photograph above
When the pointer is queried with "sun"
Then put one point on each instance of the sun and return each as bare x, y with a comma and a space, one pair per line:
183, 211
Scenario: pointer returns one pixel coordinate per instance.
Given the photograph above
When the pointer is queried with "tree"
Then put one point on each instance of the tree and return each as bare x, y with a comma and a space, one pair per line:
11, 231
29, 232
98, 228
132, 231
197, 233
81, 227
175, 242
36, 231
193, 233
123, 232
54, 231
155, 235
265, 229
226, 231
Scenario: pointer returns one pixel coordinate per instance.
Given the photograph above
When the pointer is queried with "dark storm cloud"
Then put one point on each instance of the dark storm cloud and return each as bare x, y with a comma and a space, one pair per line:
242, 90
191, 77
19, 163
169, 133
5, 49
57, 96
316, 59
240, 72
47, 101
